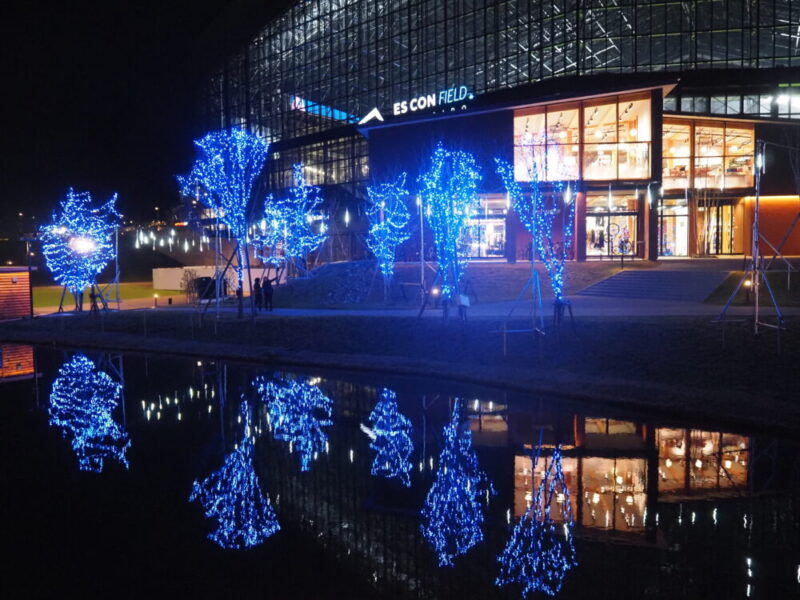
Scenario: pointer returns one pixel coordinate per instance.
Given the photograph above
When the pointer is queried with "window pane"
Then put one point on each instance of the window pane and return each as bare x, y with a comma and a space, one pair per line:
677, 155
634, 121
600, 161
739, 141
600, 123
562, 126
634, 161
562, 162
529, 129
738, 171
708, 172
524, 159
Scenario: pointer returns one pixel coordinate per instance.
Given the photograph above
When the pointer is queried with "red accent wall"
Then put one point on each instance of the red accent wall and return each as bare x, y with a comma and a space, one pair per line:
777, 213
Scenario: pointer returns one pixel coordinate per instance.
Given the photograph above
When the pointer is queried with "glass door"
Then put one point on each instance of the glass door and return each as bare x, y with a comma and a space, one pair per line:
673, 227
611, 225
485, 234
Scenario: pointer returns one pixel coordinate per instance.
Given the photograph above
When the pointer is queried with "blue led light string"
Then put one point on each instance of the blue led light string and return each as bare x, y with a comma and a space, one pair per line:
538, 218
227, 165
287, 229
78, 242
554, 254
391, 439
453, 513
540, 551
82, 403
388, 216
298, 412
232, 495
449, 196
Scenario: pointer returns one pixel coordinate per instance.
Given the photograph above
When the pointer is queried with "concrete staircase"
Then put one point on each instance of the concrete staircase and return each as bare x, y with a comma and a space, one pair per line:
659, 284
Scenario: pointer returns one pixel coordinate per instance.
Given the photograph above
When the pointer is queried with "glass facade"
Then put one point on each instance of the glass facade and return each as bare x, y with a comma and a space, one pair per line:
595, 140
324, 64
708, 154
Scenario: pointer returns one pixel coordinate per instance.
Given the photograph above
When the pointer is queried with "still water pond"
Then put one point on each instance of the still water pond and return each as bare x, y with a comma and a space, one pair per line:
131, 475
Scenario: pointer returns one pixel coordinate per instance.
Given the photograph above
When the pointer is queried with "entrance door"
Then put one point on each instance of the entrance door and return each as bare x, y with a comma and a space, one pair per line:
611, 225
717, 226
673, 227
485, 234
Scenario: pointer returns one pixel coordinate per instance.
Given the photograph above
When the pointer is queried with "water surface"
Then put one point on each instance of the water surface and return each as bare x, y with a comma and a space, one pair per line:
131, 475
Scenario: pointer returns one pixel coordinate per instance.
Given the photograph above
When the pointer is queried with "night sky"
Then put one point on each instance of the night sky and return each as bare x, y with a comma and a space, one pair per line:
98, 96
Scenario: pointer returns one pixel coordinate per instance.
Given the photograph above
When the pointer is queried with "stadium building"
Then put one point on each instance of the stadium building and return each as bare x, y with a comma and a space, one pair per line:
653, 111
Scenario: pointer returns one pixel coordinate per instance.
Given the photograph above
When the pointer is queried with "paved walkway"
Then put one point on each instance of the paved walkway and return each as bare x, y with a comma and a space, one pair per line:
583, 306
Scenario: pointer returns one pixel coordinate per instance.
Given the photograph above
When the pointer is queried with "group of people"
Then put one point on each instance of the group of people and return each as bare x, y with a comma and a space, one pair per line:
262, 293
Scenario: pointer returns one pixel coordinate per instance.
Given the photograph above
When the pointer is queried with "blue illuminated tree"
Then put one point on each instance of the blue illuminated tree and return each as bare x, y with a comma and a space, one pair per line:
391, 439
232, 495
449, 196
222, 177
292, 227
298, 413
540, 551
82, 403
79, 242
453, 515
388, 217
538, 217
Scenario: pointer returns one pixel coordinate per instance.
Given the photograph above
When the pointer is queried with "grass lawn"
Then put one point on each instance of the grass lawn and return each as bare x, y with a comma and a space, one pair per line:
783, 294
50, 295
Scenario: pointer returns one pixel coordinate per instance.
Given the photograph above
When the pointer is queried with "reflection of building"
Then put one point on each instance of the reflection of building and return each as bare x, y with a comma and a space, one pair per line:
652, 110
16, 362
616, 471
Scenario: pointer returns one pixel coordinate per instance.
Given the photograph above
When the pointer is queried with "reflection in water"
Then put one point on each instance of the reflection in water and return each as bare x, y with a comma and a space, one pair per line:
81, 404
660, 508
232, 496
452, 516
298, 412
390, 433
540, 552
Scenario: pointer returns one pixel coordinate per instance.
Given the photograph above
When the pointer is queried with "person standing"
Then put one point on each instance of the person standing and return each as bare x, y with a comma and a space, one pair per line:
258, 294
267, 290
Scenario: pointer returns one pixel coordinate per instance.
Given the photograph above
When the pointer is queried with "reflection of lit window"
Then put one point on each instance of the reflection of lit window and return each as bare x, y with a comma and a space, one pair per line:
525, 482
614, 493
693, 459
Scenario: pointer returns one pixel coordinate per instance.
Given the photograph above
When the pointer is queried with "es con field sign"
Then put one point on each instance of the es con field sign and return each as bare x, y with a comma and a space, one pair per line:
448, 96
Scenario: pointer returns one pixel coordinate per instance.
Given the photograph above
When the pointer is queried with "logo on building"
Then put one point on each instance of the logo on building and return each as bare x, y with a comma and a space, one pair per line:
373, 114
448, 96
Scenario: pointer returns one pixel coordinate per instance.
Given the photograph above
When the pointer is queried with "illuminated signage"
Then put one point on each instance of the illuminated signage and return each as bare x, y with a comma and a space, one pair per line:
321, 110
448, 96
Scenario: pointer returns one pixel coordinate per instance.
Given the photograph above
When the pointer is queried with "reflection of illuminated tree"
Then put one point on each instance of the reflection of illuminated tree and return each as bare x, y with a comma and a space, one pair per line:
453, 515
82, 404
232, 495
392, 439
298, 414
540, 551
